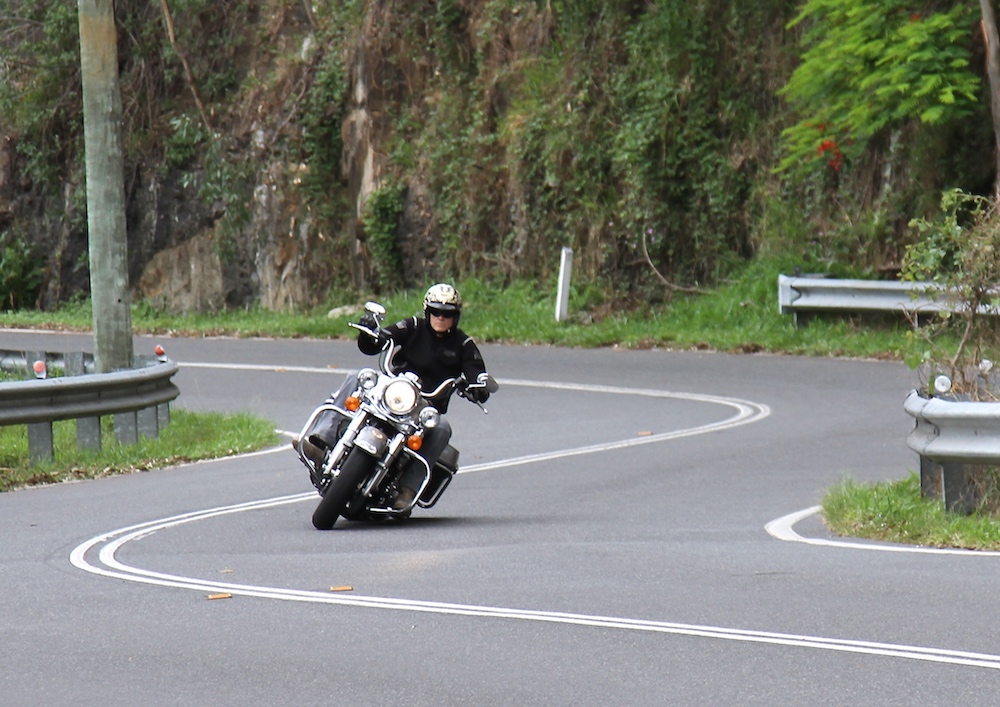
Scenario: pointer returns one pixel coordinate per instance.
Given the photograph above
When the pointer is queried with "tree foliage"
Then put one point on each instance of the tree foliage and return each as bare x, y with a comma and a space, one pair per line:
868, 65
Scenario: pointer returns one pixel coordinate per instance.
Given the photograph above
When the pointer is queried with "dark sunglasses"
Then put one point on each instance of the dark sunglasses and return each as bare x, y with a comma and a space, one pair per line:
441, 313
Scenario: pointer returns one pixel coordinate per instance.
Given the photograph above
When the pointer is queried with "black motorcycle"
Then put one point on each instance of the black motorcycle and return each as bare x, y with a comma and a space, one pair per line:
378, 432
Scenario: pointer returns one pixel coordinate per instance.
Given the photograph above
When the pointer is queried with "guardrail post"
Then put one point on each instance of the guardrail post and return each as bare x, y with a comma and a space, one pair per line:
931, 479
162, 416
126, 427
88, 429
40, 442
147, 421
961, 493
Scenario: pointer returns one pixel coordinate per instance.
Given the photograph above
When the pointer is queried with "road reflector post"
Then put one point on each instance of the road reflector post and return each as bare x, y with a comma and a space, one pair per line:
565, 273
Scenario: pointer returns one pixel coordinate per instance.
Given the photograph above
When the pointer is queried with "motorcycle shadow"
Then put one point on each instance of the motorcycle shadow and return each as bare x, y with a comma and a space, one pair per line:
427, 523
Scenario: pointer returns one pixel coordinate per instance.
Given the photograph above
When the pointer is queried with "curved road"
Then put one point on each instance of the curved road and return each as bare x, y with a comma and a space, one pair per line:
630, 528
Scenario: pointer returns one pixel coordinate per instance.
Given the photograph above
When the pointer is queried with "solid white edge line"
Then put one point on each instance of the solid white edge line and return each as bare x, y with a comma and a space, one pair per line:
125, 572
780, 528
783, 529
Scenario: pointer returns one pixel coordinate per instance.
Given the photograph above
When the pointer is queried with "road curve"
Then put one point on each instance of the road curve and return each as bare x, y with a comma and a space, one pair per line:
620, 541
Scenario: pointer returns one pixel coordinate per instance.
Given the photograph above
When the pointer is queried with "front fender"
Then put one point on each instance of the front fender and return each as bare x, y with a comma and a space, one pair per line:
372, 441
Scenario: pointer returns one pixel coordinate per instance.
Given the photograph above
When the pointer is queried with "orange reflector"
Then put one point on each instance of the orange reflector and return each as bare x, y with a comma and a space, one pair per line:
352, 403
414, 442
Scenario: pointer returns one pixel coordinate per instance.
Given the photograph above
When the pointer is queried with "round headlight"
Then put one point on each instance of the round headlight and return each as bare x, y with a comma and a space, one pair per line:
429, 417
367, 378
400, 396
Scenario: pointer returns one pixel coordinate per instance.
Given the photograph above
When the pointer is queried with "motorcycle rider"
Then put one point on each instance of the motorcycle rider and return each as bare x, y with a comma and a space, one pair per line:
435, 349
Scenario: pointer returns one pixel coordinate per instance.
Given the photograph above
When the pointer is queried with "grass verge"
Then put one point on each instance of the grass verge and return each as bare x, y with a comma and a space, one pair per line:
189, 437
894, 511
739, 316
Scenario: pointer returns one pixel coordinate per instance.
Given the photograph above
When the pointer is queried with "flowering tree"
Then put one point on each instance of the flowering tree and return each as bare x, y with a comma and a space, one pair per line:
869, 65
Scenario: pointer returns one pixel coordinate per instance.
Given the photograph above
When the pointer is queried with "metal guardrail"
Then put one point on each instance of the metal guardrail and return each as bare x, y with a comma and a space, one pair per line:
953, 439
138, 399
815, 294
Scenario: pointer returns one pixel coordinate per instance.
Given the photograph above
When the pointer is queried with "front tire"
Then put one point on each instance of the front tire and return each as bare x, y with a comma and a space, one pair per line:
342, 488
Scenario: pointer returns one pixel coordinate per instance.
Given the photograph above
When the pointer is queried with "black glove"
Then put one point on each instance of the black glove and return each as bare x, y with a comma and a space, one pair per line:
480, 395
368, 321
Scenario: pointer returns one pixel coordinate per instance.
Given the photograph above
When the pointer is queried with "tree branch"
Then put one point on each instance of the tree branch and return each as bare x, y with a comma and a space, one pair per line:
188, 74
670, 285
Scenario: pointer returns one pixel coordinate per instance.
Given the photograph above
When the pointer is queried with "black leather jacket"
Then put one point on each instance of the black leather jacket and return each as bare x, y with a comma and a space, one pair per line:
418, 348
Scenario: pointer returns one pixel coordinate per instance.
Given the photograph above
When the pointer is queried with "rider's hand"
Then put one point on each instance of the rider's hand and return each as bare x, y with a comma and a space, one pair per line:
480, 395
368, 321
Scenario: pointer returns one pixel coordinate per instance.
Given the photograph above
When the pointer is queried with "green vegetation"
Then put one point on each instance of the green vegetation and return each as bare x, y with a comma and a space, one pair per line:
960, 252
874, 65
741, 316
894, 512
189, 437
646, 136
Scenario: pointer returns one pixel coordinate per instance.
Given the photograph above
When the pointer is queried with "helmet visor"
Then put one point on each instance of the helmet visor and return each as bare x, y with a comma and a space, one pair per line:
442, 313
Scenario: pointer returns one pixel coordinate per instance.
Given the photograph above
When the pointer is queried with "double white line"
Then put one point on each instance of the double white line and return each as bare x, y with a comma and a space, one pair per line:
107, 545
110, 543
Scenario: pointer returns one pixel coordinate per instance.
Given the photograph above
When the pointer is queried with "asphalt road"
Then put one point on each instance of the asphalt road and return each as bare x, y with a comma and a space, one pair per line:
606, 543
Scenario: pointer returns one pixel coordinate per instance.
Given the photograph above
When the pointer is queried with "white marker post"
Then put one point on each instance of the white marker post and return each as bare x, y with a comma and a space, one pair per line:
565, 272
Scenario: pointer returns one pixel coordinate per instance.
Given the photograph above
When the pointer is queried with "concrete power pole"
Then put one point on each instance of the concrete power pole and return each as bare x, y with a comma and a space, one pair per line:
102, 119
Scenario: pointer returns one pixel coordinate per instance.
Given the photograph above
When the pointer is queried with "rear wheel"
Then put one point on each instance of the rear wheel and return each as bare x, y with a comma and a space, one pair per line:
342, 488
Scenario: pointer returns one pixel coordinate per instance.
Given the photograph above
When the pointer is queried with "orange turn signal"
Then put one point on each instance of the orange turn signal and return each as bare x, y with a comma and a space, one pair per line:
352, 403
415, 442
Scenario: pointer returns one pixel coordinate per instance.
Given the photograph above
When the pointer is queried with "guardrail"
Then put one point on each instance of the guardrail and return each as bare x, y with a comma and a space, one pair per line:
954, 440
138, 398
804, 294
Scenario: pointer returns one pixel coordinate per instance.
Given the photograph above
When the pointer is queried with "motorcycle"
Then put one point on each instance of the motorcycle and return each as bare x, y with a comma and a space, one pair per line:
381, 427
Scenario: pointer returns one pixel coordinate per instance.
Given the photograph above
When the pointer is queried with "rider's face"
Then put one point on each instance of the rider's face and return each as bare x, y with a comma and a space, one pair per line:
441, 324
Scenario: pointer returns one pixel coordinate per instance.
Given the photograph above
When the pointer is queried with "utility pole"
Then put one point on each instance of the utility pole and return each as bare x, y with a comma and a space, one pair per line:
102, 121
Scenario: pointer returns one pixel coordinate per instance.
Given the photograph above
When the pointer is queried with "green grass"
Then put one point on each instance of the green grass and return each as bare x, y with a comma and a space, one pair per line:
894, 511
189, 436
740, 316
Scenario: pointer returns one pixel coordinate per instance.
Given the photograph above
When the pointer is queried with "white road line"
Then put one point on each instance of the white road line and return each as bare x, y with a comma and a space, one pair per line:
783, 529
746, 412
113, 541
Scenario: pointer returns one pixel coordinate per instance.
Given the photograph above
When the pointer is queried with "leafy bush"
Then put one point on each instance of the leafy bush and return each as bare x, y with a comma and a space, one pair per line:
381, 221
20, 275
960, 253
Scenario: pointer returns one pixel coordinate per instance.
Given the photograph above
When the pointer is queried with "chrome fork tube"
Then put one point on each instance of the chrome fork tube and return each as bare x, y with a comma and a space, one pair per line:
343, 444
383, 466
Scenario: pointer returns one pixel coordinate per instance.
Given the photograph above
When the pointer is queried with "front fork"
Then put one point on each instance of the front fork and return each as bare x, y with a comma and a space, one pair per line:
331, 467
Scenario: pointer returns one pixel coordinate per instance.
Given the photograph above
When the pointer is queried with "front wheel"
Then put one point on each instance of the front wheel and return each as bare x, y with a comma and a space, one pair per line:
342, 488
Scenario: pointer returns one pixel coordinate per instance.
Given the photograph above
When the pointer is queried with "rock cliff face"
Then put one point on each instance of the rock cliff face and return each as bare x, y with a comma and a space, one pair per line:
364, 144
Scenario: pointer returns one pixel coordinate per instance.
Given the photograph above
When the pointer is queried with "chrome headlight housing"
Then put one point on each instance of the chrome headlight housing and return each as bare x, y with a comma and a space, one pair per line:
367, 378
400, 396
429, 417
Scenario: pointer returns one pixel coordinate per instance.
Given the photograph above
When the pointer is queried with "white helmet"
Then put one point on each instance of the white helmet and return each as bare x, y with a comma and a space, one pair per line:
443, 299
